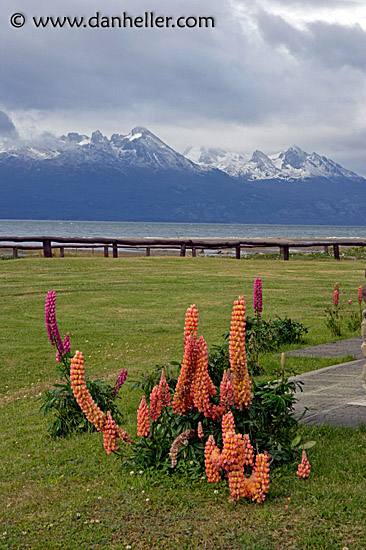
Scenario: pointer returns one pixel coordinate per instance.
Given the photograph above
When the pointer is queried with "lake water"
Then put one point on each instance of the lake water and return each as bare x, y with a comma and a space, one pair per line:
22, 228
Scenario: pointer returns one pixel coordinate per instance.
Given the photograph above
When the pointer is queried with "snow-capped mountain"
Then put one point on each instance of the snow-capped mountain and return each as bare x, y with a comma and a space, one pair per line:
137, 177
293, 164
139, 148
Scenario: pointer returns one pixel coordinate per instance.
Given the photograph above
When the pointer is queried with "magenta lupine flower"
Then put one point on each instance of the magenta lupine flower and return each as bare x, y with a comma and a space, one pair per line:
51, 323
120, 380
257, 297
66, 345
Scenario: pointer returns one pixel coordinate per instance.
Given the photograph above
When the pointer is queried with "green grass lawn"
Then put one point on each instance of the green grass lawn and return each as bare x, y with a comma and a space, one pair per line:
129, 313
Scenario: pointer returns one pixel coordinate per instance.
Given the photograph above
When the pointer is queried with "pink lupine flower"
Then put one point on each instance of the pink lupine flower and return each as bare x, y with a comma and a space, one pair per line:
51, 323
257, 297
120, 380
350, 302
66, 345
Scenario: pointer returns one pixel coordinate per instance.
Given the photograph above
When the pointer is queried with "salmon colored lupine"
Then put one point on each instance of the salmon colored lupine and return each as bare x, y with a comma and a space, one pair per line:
248, 451
260, 477
182, 400
191, 323
212, 460
200, 430
229, 450
303, 469
156, 405
143, 422
82, 394
227, 390
164, 390
336, 295
110, 435
202, 386
238, 359
359, 295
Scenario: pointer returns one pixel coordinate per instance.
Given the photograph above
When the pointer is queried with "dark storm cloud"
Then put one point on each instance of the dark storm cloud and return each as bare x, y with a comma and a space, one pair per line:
7, 128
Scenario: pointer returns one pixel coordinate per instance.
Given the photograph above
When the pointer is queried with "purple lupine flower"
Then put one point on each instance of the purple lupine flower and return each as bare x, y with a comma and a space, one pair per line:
51, 323
66, 345
257, 297
120, 380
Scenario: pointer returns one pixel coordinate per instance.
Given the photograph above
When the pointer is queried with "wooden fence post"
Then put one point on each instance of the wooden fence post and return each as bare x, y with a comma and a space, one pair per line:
47, 250
193, 251
115, 250
62, 252
15, 251
326, 249
336, 251
183, 249
286, 252
148, 251
237, 252
106, 253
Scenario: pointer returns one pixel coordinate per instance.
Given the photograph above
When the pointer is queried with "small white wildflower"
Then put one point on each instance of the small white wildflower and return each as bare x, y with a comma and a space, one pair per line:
131, 473
143, 491
99, 498
97, 521
216, 491
128, 547
147, 499
141, 472
191, 462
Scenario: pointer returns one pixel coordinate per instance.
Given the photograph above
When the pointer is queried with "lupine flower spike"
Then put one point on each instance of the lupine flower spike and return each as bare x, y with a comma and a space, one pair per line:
52, 327
143, 422
82, 394
156, 405
359, 295
120, 380
164, 390
257, 297
303, 469
238, 359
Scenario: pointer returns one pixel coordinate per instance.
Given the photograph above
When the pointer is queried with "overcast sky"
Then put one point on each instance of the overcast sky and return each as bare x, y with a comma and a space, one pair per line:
272, 73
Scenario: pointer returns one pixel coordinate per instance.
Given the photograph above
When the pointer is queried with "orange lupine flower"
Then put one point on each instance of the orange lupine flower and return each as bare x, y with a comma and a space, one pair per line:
143, 422
227, 390
164, 390
359, 295
110, 435
156, 404
200, 430
260, 477
202, 386
248, 451
212, 460
182, 400
303, 469
82, 394
238, 359
191, 323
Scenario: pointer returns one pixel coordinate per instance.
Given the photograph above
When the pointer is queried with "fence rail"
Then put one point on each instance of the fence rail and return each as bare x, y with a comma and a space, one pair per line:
49, 243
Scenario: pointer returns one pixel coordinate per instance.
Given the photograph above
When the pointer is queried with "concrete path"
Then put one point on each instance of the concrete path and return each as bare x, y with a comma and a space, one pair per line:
333, 395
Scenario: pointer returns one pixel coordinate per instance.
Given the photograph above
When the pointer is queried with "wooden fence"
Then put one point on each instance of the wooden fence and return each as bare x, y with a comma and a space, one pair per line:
48, 243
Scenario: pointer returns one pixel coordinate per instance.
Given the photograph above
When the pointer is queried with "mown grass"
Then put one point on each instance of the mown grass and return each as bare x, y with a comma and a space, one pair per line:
129, 313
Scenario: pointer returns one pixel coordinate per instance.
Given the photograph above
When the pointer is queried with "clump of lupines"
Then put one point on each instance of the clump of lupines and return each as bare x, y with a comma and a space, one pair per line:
202, 386
143, 421
336, 295
236, 455
257, 297
120, 380
62, 346
303, 469
238, 358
